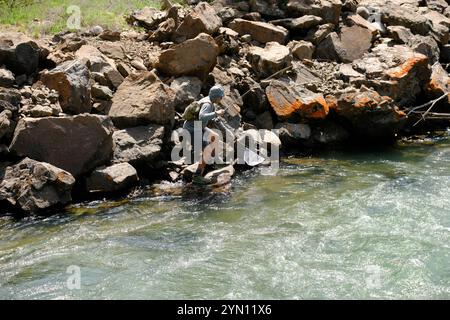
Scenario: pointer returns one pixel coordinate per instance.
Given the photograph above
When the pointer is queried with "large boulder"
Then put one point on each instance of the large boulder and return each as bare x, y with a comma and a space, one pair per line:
370, 114
194, 57
142, 99
76, 144
72, 80
268, 8
299, 24
328, 10
260, 31
289, 100
291, 134
32, 186
349, 45
113, 178
19, 53
394, 71
393, 14
266, 61
94, 59
187, 89
138, 145
202, 19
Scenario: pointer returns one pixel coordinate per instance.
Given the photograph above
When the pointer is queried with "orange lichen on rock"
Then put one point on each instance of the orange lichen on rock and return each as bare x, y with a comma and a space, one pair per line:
288, 101
405, 68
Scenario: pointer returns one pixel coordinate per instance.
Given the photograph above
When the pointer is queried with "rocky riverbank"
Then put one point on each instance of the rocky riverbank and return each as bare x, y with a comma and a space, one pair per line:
91, 113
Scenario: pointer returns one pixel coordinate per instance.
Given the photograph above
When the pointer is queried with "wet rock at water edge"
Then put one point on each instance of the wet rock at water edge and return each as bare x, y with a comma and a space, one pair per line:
32, 186
76, 144
113, 178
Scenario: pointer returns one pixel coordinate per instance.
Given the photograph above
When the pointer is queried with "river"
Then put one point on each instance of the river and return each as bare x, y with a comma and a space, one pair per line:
351, 224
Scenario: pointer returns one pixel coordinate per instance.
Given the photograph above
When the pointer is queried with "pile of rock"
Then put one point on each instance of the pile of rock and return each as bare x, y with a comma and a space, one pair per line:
95, 110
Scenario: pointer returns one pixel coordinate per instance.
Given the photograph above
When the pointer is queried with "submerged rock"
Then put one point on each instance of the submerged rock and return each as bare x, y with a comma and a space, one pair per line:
31, 185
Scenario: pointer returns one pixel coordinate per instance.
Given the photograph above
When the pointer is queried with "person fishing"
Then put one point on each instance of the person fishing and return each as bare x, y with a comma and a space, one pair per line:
205, 111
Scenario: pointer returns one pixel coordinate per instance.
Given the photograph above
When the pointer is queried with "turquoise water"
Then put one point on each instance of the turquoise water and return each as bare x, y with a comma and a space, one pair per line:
354, 224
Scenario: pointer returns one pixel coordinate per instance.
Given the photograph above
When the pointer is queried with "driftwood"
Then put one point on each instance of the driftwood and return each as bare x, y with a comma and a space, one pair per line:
427, 114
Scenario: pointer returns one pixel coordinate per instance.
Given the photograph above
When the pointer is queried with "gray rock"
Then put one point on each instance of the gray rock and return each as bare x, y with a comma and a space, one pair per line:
138, 145
292, 134
5, 122
32, 186
72, 81
267, 8
113, 178
147, 17
76, 144
142, 99
349, 45
299, 24
318, 34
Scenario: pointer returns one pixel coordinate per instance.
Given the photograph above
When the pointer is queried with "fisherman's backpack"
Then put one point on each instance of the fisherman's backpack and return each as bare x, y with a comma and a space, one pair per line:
192, 111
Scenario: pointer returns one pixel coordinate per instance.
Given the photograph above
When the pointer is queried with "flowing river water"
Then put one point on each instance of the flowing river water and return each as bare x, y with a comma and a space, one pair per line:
343, 224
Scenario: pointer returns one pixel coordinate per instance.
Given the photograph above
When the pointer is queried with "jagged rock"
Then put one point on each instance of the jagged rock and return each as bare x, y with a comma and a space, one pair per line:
437, 5
32, 186
289, 100
298, 24
95, 60
440, 25
349, 45
292, 134
406, 16
72, 81
138, 145
141, 99
318, 34
397, 72
77, 144
114, 78
370, 114
187, 89
113, 178
194, 57
202, 19
260, 31
356, 19
400, 34
164, 32
266, 61
425, 45
329, 10
101, 92
302, 49
147, 17
6, 78
255, 98
19, 53
110, 35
